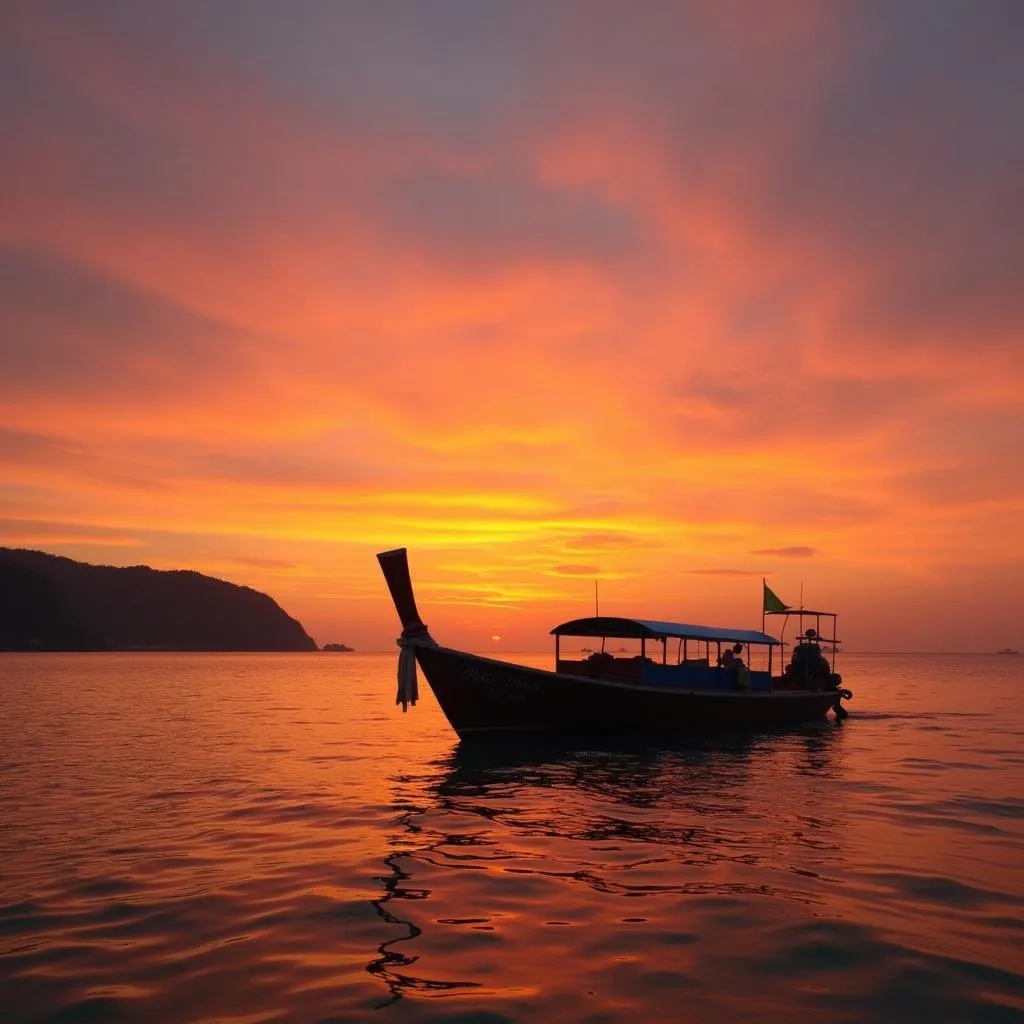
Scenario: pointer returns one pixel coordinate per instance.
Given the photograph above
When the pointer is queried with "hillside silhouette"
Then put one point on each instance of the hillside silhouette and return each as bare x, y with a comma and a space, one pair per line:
48, 602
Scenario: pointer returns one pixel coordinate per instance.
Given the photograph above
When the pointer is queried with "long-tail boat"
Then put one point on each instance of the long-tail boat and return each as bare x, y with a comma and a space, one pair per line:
703, 685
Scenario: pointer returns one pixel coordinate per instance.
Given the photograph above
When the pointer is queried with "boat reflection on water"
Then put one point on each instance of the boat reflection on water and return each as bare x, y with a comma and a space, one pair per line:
391, 963
502, 843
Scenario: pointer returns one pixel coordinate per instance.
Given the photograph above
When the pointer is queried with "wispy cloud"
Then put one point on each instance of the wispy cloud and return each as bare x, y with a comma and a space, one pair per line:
796, 551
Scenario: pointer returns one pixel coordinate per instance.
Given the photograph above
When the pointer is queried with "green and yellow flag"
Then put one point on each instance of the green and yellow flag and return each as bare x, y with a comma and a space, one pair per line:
771, 600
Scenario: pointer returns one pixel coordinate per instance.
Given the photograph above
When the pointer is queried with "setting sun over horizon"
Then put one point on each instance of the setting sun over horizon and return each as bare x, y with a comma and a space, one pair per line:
672, 297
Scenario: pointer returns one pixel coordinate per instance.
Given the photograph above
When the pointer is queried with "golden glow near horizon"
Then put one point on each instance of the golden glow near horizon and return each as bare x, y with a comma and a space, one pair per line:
272, 307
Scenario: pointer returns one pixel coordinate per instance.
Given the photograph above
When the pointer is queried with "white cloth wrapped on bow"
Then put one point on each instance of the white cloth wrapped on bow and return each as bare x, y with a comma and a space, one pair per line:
408, 687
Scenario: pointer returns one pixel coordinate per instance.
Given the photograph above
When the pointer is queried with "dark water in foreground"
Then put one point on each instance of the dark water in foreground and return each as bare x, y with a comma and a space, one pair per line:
243, 838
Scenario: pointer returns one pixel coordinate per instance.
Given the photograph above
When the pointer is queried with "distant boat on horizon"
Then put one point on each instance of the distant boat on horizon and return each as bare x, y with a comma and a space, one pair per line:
1007, 650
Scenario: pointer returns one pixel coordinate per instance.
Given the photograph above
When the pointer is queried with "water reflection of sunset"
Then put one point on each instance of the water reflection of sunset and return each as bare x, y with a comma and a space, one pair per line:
236, 836
684, 866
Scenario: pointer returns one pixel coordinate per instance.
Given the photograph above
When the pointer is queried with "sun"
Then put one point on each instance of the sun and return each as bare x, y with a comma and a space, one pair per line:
495, 637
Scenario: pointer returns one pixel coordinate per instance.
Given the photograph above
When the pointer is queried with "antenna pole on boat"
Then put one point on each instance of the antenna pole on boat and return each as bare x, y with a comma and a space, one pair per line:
597, 607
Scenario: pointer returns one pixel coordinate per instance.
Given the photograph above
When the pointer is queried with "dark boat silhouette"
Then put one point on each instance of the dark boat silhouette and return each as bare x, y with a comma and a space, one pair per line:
619, 695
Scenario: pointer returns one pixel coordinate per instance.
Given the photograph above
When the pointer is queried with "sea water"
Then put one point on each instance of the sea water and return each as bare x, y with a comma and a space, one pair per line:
249, 838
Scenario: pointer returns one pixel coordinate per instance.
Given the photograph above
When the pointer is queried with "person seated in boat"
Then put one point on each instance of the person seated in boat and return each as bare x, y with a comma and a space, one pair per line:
598, 663
732, 657
821, 673
809, 667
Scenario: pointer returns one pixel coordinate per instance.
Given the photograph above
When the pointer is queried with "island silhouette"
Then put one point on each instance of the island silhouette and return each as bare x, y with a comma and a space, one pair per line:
52, 603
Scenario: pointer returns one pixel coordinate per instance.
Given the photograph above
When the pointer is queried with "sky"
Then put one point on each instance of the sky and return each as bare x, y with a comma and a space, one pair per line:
672, 296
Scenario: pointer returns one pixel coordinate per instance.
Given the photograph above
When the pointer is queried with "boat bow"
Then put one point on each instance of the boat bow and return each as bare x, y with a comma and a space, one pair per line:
395, 566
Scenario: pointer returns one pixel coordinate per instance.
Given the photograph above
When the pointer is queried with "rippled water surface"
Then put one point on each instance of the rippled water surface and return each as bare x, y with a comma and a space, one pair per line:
246, 838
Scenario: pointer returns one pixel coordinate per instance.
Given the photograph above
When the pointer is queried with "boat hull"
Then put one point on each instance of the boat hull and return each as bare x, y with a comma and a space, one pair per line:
482, 695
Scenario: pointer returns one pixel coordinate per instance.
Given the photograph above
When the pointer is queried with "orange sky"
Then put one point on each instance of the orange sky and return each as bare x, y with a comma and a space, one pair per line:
677, 296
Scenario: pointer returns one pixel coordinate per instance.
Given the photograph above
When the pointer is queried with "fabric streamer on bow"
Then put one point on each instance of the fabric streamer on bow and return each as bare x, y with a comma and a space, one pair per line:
408, 686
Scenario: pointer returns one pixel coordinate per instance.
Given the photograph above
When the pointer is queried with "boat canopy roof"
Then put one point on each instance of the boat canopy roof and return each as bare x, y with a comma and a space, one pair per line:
648, 629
